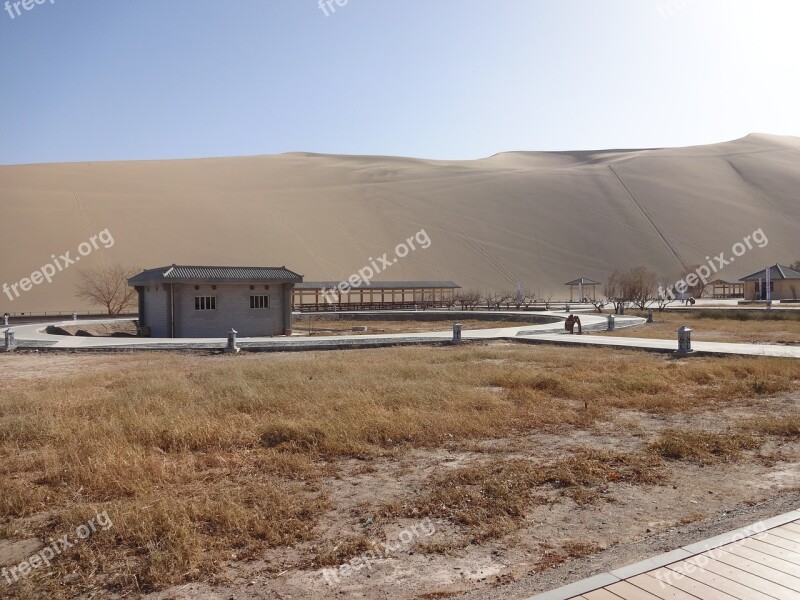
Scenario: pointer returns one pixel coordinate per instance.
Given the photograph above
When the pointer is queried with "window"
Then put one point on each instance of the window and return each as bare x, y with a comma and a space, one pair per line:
205, 303
259, 301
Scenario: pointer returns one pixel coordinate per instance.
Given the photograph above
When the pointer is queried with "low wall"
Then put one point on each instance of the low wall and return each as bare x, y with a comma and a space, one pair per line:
430, 316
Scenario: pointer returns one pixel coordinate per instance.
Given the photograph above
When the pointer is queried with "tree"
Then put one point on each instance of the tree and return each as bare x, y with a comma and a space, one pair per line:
599, 304
108, 287
613, 291
495, 298
521, 297
468, 299
697, 290
428, 300
796, 265
635, 286
667, 294
640, 286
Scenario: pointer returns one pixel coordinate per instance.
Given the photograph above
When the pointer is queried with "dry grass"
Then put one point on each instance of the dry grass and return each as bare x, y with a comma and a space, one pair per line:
777, 327
489, 500
703, 446
787, 426
198, 459
322, 327
485, 500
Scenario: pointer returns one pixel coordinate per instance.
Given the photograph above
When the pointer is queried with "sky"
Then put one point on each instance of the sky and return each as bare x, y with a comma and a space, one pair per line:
99, 80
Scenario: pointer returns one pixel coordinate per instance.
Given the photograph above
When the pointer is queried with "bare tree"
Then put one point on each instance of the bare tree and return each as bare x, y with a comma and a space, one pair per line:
494, 298
522, 297
642, 286
667, 294
614, 292
635, 286
108, 287
599, 304
699, 288
428, 300
468, 299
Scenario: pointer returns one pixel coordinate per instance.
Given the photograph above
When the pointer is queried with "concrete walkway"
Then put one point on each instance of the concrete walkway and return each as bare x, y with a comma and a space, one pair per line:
35, 336
654, 345
758, 562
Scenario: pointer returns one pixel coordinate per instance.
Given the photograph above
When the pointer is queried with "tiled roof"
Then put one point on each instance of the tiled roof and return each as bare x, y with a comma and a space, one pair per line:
183, 273
776, 272
583, 281
380, 285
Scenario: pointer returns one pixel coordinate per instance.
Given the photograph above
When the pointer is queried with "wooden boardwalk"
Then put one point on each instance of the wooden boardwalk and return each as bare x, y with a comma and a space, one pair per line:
760, 563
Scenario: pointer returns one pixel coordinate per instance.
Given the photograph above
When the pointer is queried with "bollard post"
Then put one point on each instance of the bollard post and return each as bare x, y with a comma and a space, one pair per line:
456, 333
232, 348
611, 322
10, 342
685, 340
650, 315
74, 316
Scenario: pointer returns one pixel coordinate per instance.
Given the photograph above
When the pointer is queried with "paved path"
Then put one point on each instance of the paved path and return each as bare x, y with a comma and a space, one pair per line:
654, 345
34, 336
758, 562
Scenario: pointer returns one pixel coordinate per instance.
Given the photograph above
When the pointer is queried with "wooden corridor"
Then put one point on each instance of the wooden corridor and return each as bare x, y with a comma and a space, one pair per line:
765, 566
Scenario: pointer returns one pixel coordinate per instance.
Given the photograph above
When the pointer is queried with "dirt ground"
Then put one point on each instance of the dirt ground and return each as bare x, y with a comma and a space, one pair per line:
626, 525
561, 540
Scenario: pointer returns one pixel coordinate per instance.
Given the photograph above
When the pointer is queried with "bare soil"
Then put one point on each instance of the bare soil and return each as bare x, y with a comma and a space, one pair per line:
561, 539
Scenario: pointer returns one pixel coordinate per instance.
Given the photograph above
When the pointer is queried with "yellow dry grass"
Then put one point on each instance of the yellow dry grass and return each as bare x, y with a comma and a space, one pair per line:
777, 327
198, 459
329, 326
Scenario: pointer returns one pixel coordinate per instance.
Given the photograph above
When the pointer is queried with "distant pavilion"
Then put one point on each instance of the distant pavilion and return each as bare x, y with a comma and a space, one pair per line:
582, 284
727, 289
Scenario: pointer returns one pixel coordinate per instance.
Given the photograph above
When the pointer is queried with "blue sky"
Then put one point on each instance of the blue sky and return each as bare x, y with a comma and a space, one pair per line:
94, 80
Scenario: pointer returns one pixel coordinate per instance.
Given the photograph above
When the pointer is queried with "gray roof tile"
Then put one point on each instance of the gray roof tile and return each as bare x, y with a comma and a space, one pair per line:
183, 273
776, 272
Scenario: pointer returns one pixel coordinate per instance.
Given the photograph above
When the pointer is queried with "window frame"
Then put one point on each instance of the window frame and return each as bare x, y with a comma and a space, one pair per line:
260, 302
205, 303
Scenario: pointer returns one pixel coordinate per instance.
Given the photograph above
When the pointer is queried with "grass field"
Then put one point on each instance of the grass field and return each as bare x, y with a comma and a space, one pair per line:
345, 327
300, 461
778, 327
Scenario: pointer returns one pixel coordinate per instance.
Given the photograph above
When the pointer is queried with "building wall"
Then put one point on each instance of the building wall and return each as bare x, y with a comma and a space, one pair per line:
156, 310
782, 289
232, 311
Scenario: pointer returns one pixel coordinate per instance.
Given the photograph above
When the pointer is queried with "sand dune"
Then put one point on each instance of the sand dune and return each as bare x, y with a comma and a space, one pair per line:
539, 218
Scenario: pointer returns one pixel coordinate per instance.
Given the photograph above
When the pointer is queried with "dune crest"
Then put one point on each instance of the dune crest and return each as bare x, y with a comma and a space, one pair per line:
542, 218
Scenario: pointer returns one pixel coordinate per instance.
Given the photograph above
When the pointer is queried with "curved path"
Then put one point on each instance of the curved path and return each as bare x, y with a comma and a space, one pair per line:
34, 336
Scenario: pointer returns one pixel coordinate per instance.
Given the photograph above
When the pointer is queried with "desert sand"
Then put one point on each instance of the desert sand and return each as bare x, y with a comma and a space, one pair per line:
538, 218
